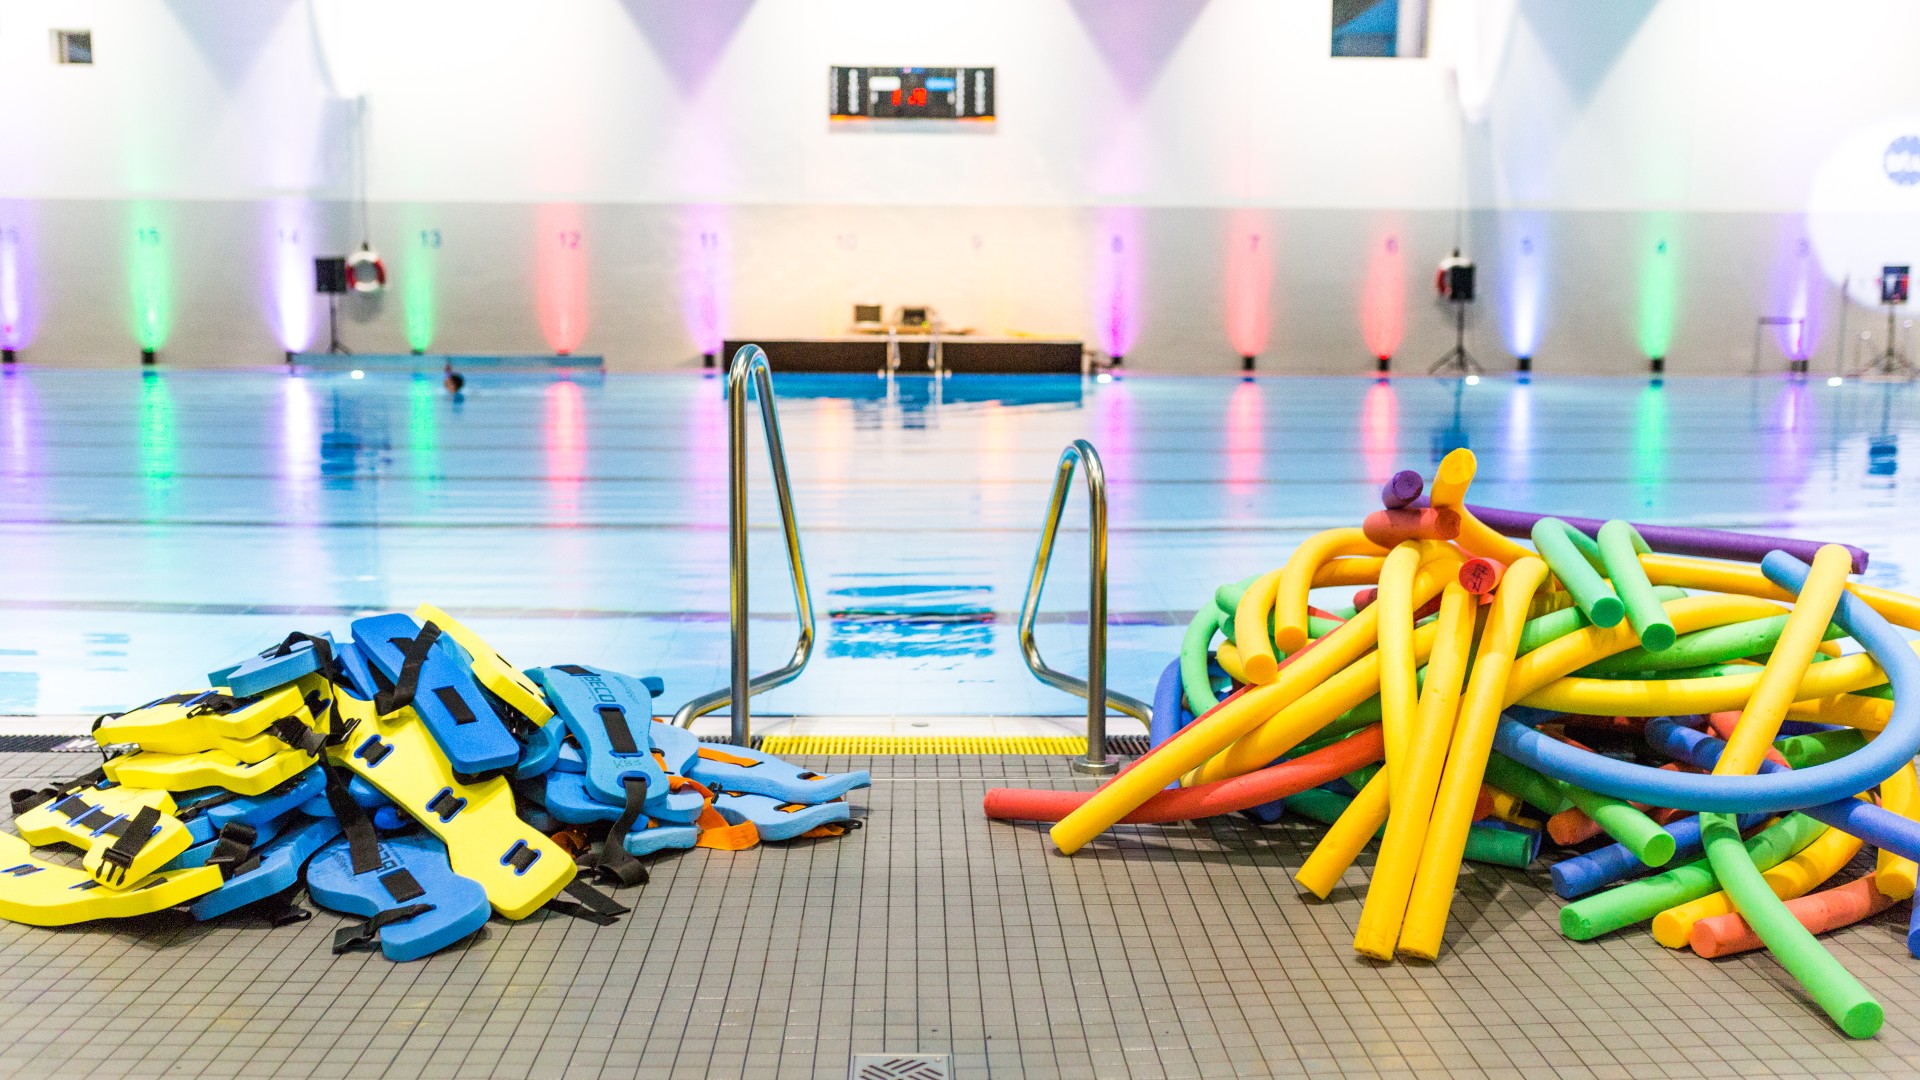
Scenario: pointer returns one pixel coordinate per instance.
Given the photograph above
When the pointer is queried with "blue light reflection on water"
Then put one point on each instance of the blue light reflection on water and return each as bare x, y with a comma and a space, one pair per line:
198, 515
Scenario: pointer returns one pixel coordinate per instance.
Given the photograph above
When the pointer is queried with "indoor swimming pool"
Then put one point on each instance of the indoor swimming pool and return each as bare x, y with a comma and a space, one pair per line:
157, 526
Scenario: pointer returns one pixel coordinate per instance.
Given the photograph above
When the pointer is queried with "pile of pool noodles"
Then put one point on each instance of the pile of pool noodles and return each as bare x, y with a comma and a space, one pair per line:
405, 774
1730, 715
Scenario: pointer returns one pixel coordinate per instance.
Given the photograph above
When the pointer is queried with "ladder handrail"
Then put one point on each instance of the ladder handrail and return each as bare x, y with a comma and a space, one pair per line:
1094, 686
751, 361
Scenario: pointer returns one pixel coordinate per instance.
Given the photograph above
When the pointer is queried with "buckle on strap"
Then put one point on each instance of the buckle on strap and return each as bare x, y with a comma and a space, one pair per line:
233, 850
354, 937
615, 864
139, 831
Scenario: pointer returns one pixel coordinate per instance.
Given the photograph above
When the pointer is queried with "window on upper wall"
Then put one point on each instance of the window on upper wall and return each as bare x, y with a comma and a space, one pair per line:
73, 47
1380, 28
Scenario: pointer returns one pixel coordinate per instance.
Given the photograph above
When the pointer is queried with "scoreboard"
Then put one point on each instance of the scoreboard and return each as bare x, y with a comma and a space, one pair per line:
911, 93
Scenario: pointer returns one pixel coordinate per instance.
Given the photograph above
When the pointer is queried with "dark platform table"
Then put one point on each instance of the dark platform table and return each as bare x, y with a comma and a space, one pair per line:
868, 353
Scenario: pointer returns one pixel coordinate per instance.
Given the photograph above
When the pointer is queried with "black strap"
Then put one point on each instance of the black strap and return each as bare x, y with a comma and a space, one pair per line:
455, 705
572, 669
25, 799
363, 844
354, 937
402, 885
619, 735
615, 863
594, 906
131, 842
233, 851
413, 653
289, 730
321, 648
215, 703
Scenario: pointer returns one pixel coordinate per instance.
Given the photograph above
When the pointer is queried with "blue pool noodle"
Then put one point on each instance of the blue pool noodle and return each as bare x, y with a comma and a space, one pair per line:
1892, 750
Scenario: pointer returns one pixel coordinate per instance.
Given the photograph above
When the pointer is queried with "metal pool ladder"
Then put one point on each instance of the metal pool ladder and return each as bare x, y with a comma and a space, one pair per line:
1094, 686
751, 362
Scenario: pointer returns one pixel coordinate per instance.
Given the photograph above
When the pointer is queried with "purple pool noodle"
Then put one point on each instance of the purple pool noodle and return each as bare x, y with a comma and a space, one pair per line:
1400, 491
1673, 540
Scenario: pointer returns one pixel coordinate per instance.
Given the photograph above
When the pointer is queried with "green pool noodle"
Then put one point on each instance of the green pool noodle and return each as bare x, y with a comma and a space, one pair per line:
1227, 597
1195, 685
1820, 747
1830, 985
1650, 843
1714, 645
1638, 901
1558, 624
1571, 555
1516, 779
1496, 847
1620, 549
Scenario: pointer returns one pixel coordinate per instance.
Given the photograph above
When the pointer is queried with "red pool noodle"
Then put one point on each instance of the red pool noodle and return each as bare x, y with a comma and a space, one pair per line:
1831, 909
1480, 576
1673, 540
1390, 527
1205, 800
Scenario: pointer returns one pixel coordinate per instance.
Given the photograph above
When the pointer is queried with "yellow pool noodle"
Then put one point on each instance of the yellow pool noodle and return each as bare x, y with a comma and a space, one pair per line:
1397, 686
1550, 663
1779, 682
1797, 876
1900, 794
1288, 602
1439, 866
1217, 730
1228, 657
1418, 778
1452, 478
1354, 570
1250, 626
1344, 838
1897, 608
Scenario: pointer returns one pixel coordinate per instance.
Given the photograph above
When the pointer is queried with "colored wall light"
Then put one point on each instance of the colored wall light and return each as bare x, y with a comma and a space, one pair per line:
16, 326
1383, 300
1521, 287
1796, 283
560, 276
1249, 278
149, 278
702, 296
292, 275
1659, 303
1117, 281
419, 271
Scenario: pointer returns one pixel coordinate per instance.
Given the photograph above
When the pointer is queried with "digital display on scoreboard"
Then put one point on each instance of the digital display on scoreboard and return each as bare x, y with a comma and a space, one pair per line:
911, 93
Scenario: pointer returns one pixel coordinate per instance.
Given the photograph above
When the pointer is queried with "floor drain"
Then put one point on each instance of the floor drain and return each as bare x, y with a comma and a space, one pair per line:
900, 1067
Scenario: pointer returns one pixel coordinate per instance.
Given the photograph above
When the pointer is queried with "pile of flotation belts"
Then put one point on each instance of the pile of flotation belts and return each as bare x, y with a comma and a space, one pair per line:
1687, 721
407, 775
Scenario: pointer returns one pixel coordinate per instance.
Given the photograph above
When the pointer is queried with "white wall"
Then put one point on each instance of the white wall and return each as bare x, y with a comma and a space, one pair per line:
661, 120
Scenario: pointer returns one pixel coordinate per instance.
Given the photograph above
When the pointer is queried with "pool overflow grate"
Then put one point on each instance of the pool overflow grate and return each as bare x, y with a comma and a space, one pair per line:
899, 1067
48, 744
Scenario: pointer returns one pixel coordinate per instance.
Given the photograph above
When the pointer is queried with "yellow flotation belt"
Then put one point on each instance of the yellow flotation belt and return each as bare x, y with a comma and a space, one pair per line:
127, 833
208, 768
194, 721
518, 866
47, 894
490, 669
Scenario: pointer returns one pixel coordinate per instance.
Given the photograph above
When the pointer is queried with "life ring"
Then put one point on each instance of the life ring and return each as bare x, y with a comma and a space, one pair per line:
365, 272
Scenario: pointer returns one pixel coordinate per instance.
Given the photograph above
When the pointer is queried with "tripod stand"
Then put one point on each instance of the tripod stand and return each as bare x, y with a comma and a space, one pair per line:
1457, 360
333, 326
1893, 363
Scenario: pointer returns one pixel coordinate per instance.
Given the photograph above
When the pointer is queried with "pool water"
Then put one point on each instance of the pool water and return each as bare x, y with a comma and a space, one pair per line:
156, 526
